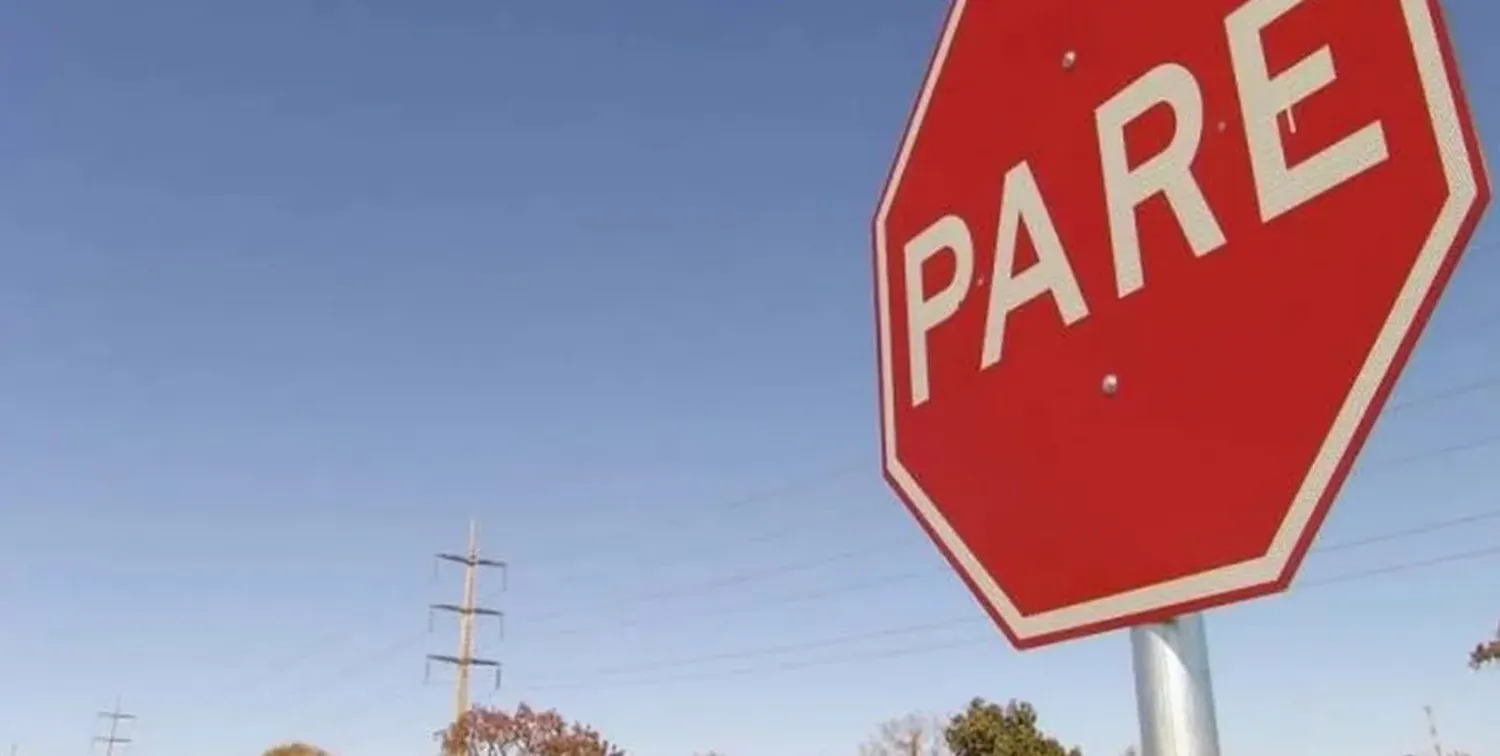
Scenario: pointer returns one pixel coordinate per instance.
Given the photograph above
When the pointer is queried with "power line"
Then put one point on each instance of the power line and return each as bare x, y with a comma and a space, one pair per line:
986, 638
1467, 327
1461, 556
716, 584
712, 512
808, 518
405, 642
887, 632
402, 643
1445, 394
944, 570
713, 585
1405, 460
1377, 466
1439, 336
806, 482
817, 479
989, 638
1452, 392
1407, 532
775, 601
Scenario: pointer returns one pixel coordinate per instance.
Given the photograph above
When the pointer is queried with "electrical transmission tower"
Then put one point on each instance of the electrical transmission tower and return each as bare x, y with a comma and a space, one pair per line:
114, 738
465, 660
1432, 731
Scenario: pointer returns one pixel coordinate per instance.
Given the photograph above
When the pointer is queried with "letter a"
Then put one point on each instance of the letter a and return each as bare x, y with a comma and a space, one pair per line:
1021, 203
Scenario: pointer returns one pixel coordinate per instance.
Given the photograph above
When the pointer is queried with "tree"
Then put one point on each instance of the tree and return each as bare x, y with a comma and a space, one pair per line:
527, 732
911, 735
295, 748
1485, 653
988, 729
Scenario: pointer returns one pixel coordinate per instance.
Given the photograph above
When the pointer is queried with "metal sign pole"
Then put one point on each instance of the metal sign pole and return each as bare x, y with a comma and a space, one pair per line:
1173, 691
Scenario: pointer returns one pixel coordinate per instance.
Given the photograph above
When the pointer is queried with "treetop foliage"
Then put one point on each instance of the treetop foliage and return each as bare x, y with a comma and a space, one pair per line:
1484, 653
989, 729
295, 748
981, 729
527, 732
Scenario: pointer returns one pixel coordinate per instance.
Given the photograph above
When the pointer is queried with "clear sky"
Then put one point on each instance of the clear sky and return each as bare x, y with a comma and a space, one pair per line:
290, 289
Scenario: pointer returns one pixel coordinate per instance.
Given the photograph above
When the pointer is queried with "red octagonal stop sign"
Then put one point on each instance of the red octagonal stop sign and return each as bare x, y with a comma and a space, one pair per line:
1145, 274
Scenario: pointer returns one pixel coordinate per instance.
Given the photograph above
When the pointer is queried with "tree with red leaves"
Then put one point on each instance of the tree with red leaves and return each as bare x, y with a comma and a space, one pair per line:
527, 732
1484, 653
295, 748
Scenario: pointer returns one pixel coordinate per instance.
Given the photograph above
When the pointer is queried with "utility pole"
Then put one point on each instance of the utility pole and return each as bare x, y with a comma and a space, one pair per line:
115, 717
465, 660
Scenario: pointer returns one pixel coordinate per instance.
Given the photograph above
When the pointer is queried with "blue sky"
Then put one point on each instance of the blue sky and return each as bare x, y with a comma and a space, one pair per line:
290, 290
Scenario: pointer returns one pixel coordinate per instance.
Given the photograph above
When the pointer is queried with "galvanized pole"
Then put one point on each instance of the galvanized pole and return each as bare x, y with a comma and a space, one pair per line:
1173, 691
